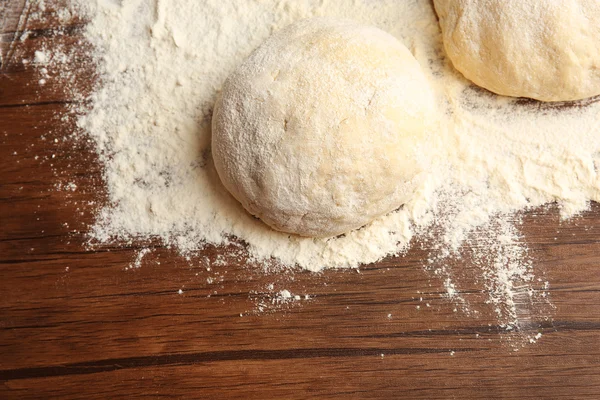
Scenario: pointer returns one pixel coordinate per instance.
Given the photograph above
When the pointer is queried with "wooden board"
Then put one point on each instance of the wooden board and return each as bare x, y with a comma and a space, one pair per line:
79, 323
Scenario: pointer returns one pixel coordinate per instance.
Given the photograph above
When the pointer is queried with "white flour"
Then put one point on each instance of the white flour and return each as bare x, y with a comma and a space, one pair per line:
161, 64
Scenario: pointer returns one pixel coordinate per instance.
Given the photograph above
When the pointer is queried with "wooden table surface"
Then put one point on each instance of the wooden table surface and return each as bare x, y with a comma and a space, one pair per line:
79, 323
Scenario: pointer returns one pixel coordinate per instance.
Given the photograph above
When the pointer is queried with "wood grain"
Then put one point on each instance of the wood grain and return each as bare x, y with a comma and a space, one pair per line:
78, 323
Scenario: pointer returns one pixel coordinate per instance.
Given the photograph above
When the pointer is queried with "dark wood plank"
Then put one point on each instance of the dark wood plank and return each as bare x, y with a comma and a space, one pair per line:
77, 322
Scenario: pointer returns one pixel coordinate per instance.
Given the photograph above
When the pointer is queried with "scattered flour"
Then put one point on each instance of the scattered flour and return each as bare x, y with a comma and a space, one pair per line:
40, 57
269, 301
160, 66
150, 120
137, 263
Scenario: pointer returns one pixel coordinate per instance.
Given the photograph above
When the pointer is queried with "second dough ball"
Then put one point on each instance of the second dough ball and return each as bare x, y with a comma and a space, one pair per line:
318, 131
543, 49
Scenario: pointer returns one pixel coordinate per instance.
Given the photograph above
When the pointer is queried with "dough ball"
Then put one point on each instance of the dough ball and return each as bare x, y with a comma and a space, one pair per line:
544, 49
318, 131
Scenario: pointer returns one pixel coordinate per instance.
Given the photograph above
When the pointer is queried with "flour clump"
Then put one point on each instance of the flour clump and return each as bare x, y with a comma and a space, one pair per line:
321, 129
545, 50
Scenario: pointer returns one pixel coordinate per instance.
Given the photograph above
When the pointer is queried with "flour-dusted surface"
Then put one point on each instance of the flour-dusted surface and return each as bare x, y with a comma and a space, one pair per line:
161, 67
95, 323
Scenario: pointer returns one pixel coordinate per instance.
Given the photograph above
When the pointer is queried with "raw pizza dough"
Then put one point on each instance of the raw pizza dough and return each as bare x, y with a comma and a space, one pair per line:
543, 49
318, 131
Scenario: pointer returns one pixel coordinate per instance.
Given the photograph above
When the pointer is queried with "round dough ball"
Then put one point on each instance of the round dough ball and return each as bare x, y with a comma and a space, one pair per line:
543, 49
317, 132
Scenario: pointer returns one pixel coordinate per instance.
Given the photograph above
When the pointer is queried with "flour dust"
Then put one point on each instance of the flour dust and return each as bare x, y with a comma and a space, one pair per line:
160, 65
